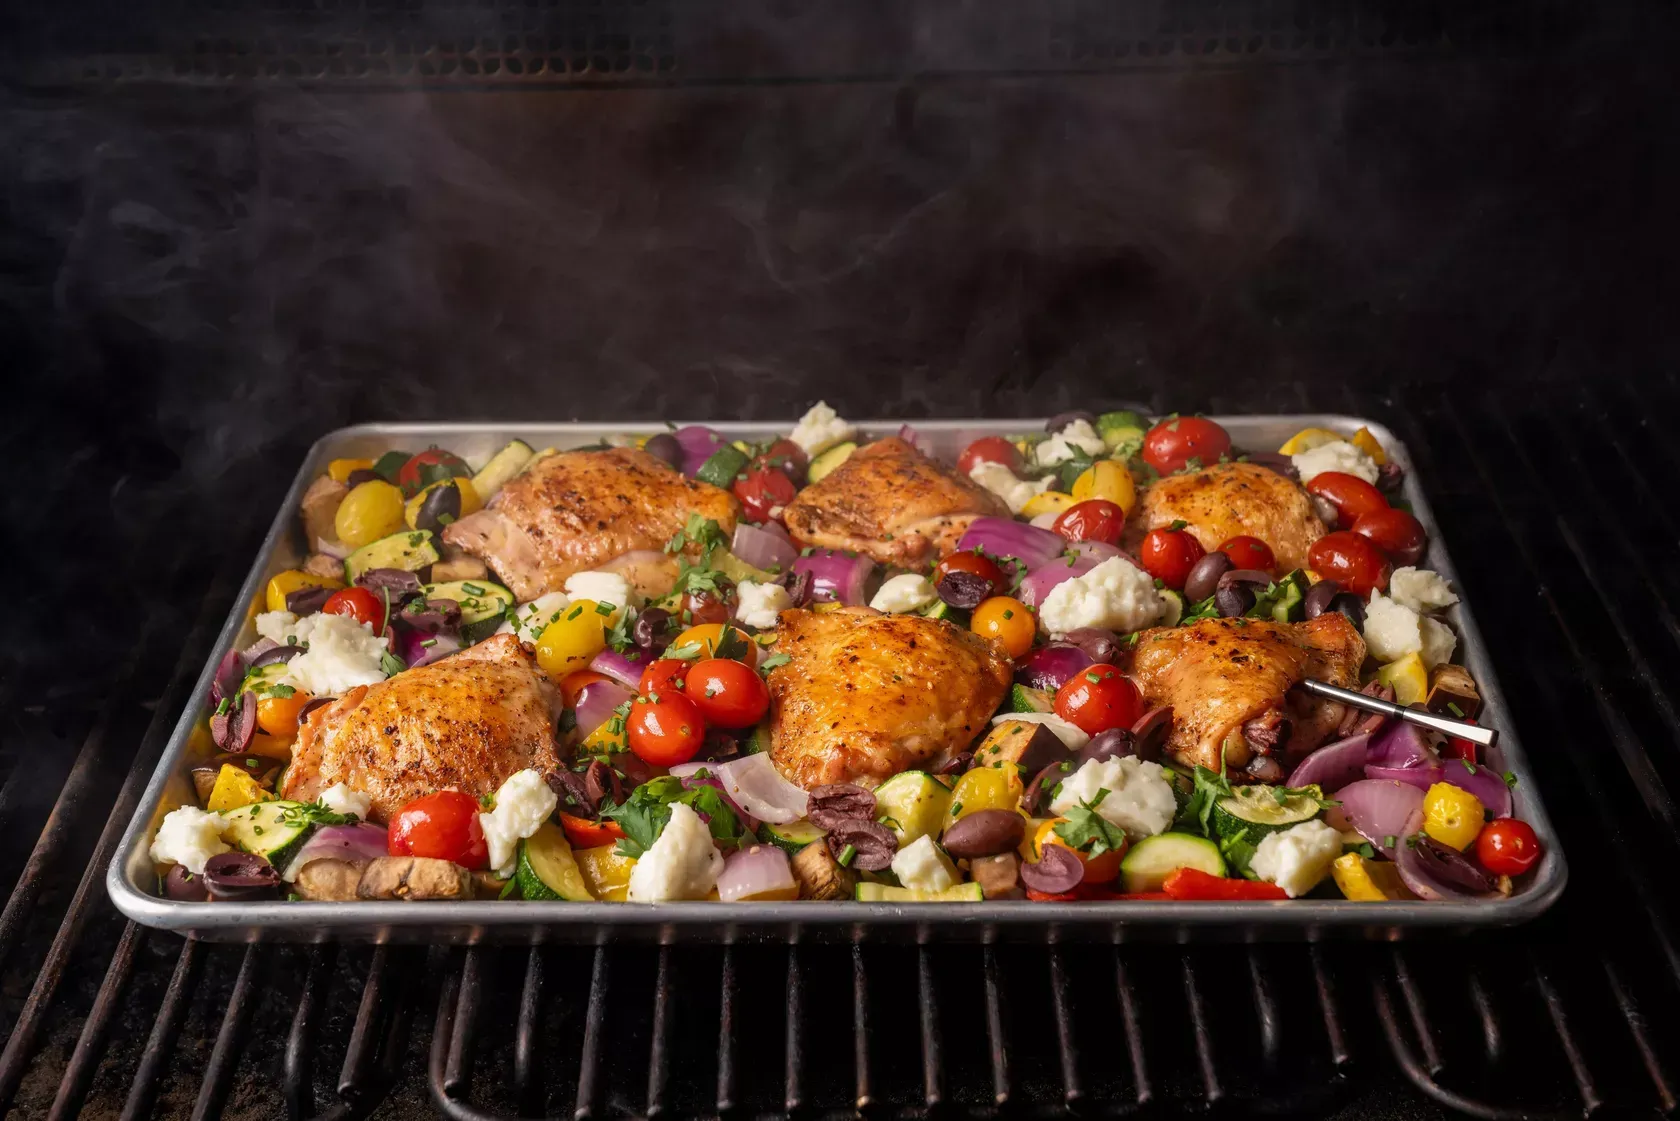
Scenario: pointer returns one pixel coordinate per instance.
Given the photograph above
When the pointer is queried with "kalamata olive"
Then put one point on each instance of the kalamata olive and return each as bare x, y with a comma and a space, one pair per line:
307, 601
1204, 576
311, 705
1099, 645
1389, 477
836, 803
799, 588
1351, 606
184, 887
652, 632
1234, 601
1037, 795
1318, 597
1062, 420
276, 654
232, 730
362, 475
1112, 743
432, 615
872, 844
1237, 576
964, 590
1275, 461
396, 581
985, 833
440, 507
957, 763
239, 875
230, 671
1451, 866
1151, 731
1058, 869
665, 446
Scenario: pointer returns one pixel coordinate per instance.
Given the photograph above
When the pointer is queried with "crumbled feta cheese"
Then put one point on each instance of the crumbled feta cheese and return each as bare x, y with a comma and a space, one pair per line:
1296, 858
1337, 455
341, 799
1075, 439
1001, 481
1393, 630
922, 867
820, 429
1071, 735
760, 605
1116, 595
608, 588
682, 864
535, 616
907, 592
189, 836
1420, 589
1438, 642
342, 654
522, 804
1139, 799
285, 628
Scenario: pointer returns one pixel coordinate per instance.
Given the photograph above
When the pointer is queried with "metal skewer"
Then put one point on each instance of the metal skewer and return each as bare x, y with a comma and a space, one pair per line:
1460, 728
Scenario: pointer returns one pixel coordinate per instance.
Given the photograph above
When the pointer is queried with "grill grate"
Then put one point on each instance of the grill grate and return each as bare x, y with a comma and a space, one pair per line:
1522, 1024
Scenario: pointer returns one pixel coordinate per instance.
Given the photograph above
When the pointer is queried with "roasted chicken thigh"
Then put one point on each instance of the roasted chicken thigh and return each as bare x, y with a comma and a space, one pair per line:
1230, 499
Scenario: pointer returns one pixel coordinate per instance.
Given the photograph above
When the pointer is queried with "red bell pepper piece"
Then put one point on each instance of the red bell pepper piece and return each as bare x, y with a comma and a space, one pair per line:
586, 834
1462, 748
1194, 884
1053, 896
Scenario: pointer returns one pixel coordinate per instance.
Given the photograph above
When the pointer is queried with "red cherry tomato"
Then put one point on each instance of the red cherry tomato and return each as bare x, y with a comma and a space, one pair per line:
1098, 698
663, 675
729, 694
1507, 847
1350, 560
989, 449
358, 604
666, 731
1169, 555
429, 467
789, 458
703, 607
1395, 532
763, 490
443, 826
984, 567
1095, 519
1349, 494
1249, 552
1172, 444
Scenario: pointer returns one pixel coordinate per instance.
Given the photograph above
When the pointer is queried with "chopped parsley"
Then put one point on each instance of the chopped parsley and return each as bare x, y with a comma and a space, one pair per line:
1176, 525
772, 662
1088, 831
391, 664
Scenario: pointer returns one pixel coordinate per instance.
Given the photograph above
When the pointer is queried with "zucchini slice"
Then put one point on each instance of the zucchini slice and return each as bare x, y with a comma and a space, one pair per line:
411, 550
792, 837
502, 466
547, 869
822, 464
722, 466
913, 804
484, 604
1257, 810
885, 893
1023, 698
274, 830
1151, 860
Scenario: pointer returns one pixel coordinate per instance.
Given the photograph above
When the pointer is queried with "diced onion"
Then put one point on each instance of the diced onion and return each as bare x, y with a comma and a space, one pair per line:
698, 443
1051, 667
1042, 579
621, 668
761, 548
357, 843
1383, 812
755, 785
1334, 765
595, 704
1005, 537
756, 872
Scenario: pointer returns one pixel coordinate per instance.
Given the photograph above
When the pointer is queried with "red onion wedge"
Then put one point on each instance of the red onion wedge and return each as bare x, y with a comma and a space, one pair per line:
762, 548
1485, 783
1383, 812
757, 872
910, 436
1004, 537
626, 669
836, 577
1437, 873
1402, 745
1041, 580
1334, 765
753, 783
357, 843
1421, 777
1050, 667
698, 443
595, 704
415, 651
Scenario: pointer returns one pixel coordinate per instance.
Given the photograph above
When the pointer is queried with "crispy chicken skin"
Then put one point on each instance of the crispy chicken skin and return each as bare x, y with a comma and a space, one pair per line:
1228, 499
866, 695
891, 502
574, 511
1222, 675
464, 723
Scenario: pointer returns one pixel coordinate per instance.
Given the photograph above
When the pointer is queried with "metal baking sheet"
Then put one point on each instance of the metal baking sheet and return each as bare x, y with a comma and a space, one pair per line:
132, 879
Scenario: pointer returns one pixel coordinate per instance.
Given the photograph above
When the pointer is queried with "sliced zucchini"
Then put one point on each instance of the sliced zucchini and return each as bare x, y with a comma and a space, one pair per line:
274, 830
1257, 810
1151, 860
823, 464
1023, 698
758, 739
263, 678
722, 466
503, 466
738, 570
1174, 609
913, 804
886, 893
1283, 600
547, 869
411, 550
484, 605
1123, 427
792, 837
943, 610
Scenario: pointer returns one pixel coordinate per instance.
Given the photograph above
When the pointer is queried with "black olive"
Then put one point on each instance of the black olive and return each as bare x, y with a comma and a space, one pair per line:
240, 875
1233, 601
441, 506
1318, 597
965, 590
184, 887
1098, 645
1058, 869
665, 446
653, 630
1451, 866
1351, 606
362, 475
1114, 743
1151, 731
1204, 576
276, 654
307, 601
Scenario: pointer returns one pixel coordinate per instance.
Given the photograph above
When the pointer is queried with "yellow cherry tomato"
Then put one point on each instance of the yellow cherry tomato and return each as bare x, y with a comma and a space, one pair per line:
1049, 502
371, 510
1007, 620
340, 470
283, 584
1452, 815
1107, 478
1309, 438
1098, 869
709, 635
571, 641
1367, 443
984, 788
234, 788
278, 716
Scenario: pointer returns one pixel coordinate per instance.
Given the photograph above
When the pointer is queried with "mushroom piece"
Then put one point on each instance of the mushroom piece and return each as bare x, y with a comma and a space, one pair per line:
1452, 685
999, 876
332, 881
320, 564
320, 503
820, 876
456, 564
414, 877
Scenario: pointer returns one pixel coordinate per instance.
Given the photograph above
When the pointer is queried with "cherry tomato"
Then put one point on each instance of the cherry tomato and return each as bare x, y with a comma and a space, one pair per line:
790, 458
1169, 555
358, 604
430, 466
585, 833
663, 675
1095, 519
666, 731
1249, 552
443, 826
1349, 494
704, 607
1170, 445
763, 490
989, 449
984, 567
572, 684
1098, 698
1351, 560
1507, 847
1008, 620
1395, 532
729, 694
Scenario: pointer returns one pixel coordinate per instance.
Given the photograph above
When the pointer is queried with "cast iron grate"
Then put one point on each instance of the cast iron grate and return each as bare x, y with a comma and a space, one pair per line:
1537, 1022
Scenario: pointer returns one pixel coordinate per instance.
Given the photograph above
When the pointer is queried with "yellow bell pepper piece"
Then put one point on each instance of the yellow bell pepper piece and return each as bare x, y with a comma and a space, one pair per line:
282, 584
1049, 502
1367, 443
605, 872
984, 788
1107, 478
339, 470
1368, 881
234, 788
1452, 815
1407, 677
1307, 439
